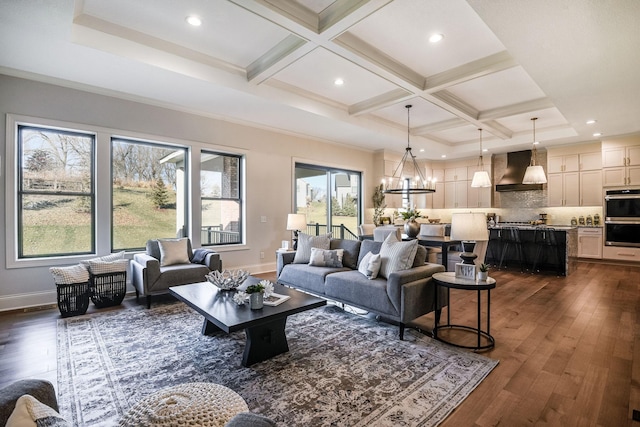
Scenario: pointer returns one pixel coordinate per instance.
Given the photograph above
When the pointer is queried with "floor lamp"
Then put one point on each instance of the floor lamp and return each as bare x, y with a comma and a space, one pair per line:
296, 223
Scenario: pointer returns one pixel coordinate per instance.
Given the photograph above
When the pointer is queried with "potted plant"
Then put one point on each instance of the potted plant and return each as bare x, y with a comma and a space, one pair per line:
484, 272
256, 295
411, 227
378, 205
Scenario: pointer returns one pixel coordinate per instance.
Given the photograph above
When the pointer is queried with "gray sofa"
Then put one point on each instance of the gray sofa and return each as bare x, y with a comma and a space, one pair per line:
150, 278
403, 297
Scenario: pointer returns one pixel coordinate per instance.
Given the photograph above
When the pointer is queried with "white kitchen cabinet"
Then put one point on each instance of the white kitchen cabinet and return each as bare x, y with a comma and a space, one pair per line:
479, 197
437, 198
455, 194
621, 253
591, 161
590, 242
563, 189
455, 174
621, 165
591, 188
567, 163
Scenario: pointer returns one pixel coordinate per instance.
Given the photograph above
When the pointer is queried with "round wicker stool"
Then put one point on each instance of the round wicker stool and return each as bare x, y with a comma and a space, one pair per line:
190, 404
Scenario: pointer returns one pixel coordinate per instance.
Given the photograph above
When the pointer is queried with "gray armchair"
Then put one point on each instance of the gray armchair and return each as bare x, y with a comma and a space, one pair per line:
150, 278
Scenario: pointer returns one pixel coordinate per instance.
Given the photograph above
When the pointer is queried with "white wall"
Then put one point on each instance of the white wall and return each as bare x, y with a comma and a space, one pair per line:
270, 157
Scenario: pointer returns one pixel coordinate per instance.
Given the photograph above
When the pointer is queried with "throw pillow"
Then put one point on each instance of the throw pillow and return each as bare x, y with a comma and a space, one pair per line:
31, 412
326, 258
69, 275
102, 267
173, 251
396, 255
370, 265
306, 242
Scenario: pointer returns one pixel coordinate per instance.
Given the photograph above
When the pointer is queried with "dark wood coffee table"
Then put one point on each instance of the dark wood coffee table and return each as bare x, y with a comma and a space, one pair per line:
264, 328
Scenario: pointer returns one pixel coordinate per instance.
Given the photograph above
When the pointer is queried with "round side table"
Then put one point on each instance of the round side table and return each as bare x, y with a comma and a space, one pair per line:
450, 281
201, 404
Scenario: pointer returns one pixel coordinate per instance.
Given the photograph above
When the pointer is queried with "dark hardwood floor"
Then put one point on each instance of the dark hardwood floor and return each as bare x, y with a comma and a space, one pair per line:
569, 348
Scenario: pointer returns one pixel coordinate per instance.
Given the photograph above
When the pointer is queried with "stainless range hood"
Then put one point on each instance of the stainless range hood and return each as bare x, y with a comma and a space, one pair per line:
517, 163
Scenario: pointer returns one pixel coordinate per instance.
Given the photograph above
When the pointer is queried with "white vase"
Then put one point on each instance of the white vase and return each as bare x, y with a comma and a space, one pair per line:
482, 275
256, 301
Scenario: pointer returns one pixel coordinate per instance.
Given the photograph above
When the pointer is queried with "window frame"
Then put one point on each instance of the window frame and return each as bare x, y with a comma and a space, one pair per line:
21, 192
240, 200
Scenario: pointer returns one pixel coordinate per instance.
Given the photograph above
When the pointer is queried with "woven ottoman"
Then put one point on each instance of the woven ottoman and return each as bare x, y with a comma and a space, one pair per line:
190, 404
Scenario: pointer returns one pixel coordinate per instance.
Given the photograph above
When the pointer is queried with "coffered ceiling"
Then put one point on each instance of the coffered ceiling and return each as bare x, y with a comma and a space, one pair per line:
273, 63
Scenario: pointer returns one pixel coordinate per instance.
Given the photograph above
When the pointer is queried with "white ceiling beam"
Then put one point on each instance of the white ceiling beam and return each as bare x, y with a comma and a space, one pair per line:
436, 127
519, 108
479, 68
380, 101
277, 58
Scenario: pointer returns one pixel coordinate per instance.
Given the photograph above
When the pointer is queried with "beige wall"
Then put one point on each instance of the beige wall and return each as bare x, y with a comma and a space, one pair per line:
270, 157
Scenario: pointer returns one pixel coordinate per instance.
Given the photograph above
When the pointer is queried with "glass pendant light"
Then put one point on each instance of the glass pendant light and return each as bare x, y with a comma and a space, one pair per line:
481, 177
534, 173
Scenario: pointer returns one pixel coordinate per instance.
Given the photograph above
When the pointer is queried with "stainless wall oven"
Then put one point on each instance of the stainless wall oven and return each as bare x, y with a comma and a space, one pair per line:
622, 217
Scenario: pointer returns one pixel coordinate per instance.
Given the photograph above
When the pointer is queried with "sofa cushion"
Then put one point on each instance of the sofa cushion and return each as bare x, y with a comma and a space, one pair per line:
306, 277
306, 242
421, 256
396, 255
368, 246
370, 265
351, 287
326, 257
173, 251
351, 251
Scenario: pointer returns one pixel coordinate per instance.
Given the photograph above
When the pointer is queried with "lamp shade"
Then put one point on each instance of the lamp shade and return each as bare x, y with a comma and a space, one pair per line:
481, 179
469, 226
534, 175
296, 222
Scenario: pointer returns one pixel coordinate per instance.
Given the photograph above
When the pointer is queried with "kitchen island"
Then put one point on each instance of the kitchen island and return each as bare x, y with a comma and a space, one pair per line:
535, 253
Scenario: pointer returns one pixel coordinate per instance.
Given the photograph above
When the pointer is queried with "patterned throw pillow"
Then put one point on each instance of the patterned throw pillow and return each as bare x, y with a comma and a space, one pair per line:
326, 258
306, 242
70, 275
173, 251
396, 256
370, 265
102, 267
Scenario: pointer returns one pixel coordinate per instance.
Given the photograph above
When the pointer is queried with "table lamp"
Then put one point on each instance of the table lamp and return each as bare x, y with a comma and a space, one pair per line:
469, 227
296, 223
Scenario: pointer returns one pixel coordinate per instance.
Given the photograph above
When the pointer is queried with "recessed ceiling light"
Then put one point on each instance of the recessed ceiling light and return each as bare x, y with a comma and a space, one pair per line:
435, 38
338, 82
484, 150
590, 122
536, 142
422, 150
194, 20
597, 134
443, 156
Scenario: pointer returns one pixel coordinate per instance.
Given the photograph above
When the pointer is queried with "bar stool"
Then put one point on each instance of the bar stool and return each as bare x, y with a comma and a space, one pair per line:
494, 247
547, 249
510, 239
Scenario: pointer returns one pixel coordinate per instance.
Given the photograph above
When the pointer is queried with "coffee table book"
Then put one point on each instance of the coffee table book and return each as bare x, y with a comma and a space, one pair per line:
275, 299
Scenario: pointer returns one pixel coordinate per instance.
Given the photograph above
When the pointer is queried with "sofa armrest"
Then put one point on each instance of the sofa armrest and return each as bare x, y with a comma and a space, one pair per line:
151, 264
213, 261
417, 278
397, 279
40, 389
283, 258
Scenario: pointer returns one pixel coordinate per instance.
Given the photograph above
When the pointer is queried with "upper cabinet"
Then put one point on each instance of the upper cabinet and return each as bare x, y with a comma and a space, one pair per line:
575, 177
621, 162
568, 163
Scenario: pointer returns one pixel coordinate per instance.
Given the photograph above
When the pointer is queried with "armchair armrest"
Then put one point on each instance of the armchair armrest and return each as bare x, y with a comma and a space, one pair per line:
213, 261
148, 263
283, 258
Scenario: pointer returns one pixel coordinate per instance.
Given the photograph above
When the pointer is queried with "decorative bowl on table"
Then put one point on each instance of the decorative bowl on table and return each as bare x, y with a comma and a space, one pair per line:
227, 280
434, 220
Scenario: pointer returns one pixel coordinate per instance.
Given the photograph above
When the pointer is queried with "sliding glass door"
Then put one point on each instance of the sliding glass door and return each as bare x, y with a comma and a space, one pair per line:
330, 198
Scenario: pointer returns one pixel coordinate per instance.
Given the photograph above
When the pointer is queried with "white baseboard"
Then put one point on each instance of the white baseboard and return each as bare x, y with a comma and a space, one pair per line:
24, 301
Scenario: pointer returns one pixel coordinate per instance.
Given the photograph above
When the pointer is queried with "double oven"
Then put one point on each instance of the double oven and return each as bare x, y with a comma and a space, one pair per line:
622, 218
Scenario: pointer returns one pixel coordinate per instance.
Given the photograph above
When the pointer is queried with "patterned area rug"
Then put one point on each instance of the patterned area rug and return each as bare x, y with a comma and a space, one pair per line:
341, 370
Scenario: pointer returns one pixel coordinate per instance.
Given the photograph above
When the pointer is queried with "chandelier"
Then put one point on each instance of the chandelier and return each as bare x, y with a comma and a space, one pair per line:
401, 183
481, 177
534, 173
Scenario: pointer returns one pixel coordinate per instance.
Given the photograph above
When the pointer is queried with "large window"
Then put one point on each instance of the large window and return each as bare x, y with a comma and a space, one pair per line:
221, 196
330, 198
149, 192
56, 194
